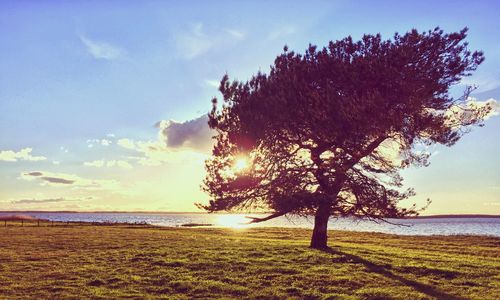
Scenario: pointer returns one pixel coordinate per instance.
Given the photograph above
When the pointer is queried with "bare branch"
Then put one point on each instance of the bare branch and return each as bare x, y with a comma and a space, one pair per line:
258, 220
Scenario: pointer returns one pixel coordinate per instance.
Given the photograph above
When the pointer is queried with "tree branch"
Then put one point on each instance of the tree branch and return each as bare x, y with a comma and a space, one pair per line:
258, 220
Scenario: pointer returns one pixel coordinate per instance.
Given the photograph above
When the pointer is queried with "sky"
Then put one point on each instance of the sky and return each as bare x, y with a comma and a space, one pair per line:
103, 103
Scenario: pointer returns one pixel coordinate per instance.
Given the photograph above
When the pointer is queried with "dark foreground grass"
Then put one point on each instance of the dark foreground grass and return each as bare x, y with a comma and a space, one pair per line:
146, 262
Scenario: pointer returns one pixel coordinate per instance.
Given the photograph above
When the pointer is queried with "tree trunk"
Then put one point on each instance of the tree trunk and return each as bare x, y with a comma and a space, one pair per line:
319, 237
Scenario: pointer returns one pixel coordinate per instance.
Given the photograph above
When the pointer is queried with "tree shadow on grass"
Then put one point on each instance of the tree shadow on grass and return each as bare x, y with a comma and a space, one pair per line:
383, 270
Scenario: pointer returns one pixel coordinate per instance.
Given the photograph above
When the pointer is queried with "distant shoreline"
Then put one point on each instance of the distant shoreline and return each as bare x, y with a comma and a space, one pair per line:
461, 216
456, 216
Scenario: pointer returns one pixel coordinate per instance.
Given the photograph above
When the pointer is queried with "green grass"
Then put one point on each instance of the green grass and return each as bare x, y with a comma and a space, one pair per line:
77, 261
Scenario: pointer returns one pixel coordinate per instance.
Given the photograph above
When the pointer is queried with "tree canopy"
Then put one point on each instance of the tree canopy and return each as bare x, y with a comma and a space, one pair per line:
326, 132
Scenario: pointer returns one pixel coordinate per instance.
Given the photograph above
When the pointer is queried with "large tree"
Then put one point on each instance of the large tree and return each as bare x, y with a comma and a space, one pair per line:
326, 133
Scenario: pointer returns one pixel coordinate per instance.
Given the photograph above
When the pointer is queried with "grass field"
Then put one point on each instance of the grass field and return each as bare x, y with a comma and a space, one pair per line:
75, 261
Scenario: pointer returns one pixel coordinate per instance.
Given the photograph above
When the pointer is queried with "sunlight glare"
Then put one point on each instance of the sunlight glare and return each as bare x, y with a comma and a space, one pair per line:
232, 221
241, 164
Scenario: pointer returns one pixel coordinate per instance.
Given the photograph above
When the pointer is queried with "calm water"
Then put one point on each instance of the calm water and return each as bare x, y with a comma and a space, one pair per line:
437, 226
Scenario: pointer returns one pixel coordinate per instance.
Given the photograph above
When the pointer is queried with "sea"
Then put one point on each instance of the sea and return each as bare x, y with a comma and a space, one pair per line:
489, 226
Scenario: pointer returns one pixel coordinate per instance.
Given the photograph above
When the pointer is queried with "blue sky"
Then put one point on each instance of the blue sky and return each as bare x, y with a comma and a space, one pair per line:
83, 83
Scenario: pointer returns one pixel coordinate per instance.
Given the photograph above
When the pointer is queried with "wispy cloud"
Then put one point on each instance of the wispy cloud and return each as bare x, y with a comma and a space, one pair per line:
102, 142
102, 50
237, 34
62, 179
126, 143
212, 83
108, 163
23, 154
281, 32
156, 153
33, 201
194, 42
49, 200
197, 40
483, 81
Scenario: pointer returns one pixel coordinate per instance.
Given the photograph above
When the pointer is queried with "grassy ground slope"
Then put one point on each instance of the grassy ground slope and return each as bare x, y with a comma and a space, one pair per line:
146, 262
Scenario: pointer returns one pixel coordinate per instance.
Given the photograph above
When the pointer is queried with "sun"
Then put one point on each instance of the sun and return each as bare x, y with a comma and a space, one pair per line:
241, 164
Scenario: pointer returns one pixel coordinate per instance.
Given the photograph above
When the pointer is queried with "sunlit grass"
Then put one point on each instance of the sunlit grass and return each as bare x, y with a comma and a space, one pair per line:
212, 263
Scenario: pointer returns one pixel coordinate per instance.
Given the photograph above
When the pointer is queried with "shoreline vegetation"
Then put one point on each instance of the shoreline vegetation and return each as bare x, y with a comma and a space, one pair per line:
26, 220
144, 261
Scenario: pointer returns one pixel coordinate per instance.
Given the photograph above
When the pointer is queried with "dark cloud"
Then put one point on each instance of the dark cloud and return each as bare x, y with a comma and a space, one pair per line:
191, 134
50, 179
35, 173
71, 180
57, 180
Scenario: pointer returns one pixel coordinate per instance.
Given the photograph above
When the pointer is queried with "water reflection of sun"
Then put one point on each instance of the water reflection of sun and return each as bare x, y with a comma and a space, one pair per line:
232, 221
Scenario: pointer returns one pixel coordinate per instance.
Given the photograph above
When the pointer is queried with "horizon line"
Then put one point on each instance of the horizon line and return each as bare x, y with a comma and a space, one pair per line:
201, 212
